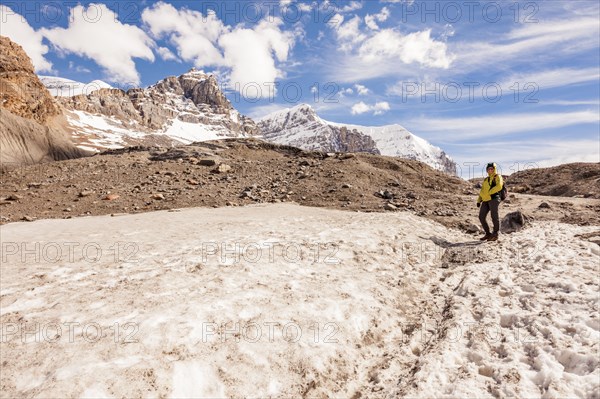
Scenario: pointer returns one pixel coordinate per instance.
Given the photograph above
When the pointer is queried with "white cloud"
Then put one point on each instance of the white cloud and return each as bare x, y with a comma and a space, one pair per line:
378, 108
416, 47
16, 27
95, 32
553, 78
466, 128
193, 33
348, 32
336, 21
370, 22
372, 53
382, 16
573, 102
525, 85
361, 90
301, 6
547, 40
166, 54
352, 6
78, 68
250, 54
334, 6
343, 93
360, 108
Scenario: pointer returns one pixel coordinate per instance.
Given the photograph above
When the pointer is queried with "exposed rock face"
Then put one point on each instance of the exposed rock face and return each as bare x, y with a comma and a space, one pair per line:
351, 140
28, 132
300, 126
110, 102
24, 141
193, 97
21, 92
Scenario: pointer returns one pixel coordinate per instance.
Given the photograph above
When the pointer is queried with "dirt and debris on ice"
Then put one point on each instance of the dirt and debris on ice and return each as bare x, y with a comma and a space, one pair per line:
288, 301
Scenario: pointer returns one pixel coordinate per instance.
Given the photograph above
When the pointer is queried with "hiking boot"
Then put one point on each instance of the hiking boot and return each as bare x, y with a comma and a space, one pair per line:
486, 237
493, 237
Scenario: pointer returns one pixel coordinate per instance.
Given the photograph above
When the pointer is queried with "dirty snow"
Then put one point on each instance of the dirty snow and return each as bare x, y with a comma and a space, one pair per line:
282, 300
187, 132
100, 130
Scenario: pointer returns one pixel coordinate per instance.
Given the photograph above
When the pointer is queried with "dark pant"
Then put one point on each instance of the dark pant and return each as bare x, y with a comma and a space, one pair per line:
485, 208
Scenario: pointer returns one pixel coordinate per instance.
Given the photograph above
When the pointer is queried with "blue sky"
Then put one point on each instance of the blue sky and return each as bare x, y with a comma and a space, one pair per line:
513, 82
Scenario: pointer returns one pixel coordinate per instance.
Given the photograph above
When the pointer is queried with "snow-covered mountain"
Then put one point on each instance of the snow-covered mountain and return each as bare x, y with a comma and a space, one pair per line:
300, 126
191, 107
175, 110
61, 87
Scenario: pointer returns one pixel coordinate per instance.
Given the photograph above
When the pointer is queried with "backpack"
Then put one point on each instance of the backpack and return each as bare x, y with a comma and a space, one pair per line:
503, 192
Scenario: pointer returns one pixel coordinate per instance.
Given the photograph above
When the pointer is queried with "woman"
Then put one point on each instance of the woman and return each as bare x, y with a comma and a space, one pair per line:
489, 201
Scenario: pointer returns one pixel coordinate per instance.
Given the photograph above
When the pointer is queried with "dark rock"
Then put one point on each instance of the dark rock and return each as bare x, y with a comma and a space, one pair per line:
207, 162
473, 228
514, 221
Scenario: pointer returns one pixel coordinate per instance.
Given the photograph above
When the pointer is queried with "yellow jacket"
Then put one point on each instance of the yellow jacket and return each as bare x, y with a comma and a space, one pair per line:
487, 191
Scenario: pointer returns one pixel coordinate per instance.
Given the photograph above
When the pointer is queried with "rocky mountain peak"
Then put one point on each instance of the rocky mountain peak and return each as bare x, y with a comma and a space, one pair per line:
189, 107
203, 89
21, 92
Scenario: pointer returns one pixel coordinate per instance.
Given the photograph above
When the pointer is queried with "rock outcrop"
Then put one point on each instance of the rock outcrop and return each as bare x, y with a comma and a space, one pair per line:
192, 98
21, 92
28, 129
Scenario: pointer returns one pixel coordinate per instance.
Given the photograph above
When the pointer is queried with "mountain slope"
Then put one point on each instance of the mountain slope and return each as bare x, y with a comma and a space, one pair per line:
30, 130
175, 110
300, 126
567, 180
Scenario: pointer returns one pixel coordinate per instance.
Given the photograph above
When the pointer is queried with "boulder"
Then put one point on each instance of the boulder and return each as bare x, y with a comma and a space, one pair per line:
514, 221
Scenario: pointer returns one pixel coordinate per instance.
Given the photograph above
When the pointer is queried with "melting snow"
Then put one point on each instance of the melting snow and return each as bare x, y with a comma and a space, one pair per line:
284, 300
